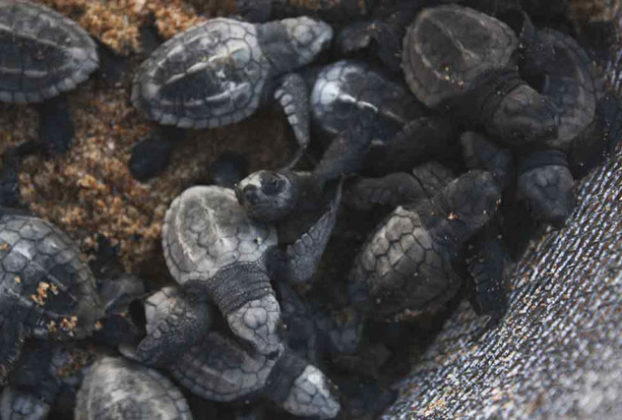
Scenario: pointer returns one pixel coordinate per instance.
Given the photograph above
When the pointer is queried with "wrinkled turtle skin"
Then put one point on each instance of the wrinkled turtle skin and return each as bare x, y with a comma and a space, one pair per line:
218, 72
348, 90
214, 251
219, 370
42, 53
118, 389
47, 291
405, 267
459, 58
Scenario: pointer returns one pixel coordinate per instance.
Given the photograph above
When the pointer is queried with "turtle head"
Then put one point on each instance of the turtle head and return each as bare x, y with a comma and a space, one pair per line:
267, 196
548, 190
524, 116
312, 394
473, 199
309, 37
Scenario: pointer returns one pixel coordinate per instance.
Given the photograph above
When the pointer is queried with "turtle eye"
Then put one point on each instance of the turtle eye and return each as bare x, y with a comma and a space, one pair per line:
272, 186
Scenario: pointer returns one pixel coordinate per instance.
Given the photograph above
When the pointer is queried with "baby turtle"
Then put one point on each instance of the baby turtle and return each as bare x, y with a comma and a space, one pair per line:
46, 291
459, 58
43, 55
219, 370
213, 249
405, 267
118, 389
220, 71
173, 323
565, 74
216, 252
398, 188
348, 92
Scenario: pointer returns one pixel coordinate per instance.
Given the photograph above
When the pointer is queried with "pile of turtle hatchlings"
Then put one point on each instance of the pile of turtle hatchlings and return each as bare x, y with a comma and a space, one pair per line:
432, 140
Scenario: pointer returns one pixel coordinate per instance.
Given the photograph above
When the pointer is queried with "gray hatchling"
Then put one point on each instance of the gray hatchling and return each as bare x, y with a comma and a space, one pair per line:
214, 251
116, 389
46, 290
42, 55
219, 370
220, 71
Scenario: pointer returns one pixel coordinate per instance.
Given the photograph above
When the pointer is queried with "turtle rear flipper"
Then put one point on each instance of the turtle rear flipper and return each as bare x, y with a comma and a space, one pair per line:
293, 96
12, 337
301, 258
16, 405
173, 324
56, 128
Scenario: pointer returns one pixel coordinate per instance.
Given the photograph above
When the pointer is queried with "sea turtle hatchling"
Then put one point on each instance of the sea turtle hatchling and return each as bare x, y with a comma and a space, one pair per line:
220, 71
462, 59
220, 370
405, 267
564, 73
215, 252
116, 388
403, 133
46, 290
42, 55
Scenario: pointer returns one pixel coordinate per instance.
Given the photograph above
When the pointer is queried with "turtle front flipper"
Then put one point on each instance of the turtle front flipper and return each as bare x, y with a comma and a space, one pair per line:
16, 405
293, 96
12, 336
392, 190
174, 323
55, 125
546, 185
480, 153
346, 153
488, 262
302, 257
422, 139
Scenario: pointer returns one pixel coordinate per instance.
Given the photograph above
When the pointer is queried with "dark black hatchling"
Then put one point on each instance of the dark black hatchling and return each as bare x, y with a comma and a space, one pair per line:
116, 388
459, 59
564, 73
43, 55
220, 71
351, 92
46, 290
405, 267
220, 370
174, 322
